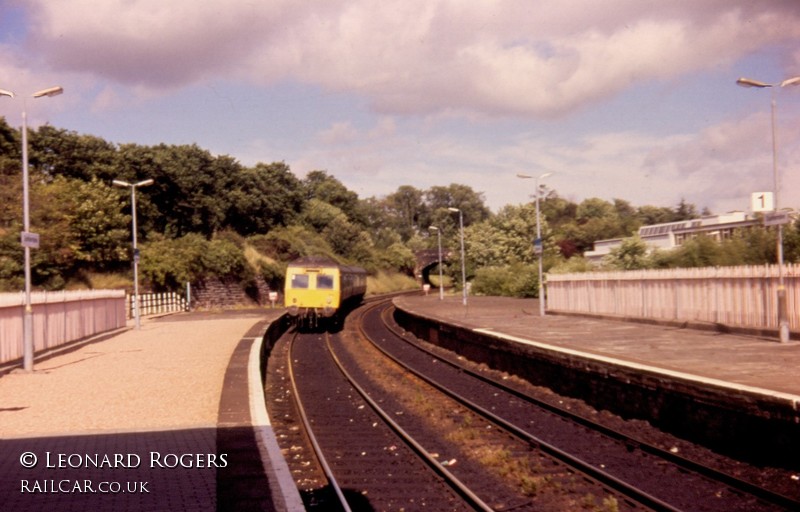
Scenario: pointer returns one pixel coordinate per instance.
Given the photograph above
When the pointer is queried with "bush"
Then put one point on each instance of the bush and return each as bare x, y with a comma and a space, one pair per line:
514, 280
168, 264
288, 244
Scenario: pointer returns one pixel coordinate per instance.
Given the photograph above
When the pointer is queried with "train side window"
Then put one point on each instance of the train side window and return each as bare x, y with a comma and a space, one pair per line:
299, 281
324, 282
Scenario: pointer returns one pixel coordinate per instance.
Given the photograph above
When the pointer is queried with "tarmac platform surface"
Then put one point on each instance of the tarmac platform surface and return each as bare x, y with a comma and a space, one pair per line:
151, 419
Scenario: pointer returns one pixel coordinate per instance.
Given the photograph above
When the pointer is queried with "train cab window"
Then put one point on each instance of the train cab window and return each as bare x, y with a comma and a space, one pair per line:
299, 281
324, 282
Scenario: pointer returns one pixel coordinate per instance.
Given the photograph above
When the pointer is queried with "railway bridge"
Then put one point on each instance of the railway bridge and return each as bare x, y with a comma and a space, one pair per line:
427, 259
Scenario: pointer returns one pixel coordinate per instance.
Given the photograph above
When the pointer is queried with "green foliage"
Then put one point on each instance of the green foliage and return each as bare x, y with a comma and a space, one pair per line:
407, 209
318, 185
571, 265
167, 264
630, 255
288, 244
262, 198
514, 280
55, 152
387, 281
11, 266
397, 256
203, 213
99, 230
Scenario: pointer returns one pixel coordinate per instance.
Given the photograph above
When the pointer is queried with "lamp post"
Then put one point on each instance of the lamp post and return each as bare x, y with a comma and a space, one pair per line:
28, 239
783, 314
133, 186
439, 236
463, 267
538, 247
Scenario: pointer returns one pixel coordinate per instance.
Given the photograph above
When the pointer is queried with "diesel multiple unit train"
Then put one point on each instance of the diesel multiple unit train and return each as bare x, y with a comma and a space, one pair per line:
318, 288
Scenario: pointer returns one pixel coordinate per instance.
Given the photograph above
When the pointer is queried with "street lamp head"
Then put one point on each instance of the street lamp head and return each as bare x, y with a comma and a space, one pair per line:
143, 183
52, 91
3, 92
747, 82
791, 81
524, 176
433, 228
453, 209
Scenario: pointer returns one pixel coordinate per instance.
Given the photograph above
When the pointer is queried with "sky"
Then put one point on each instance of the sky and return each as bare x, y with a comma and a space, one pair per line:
628, 99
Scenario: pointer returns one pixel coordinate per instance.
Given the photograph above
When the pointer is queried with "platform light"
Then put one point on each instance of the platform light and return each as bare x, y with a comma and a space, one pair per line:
463, 264
439, 236
27, 236
133, 187
783, 314
538, 245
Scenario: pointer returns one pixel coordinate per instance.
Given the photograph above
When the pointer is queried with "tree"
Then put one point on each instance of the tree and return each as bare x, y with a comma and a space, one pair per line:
190, 189
167, 264
470, 203
701, 251
507, 237
596, 219
319, 185
407, 208
100, 233
649, 215
262, 198
685, 211
630, 255
55, 152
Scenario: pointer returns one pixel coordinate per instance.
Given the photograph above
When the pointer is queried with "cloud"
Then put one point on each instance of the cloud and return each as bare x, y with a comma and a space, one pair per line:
410, 56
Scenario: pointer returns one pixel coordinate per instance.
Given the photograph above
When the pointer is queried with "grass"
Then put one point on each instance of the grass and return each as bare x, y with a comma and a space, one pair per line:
385, 282
98, 281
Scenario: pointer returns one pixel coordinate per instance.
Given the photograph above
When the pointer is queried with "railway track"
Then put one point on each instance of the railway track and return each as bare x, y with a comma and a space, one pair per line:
448, 438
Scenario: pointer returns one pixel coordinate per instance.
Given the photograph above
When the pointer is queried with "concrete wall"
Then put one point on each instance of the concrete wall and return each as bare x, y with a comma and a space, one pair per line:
58, 318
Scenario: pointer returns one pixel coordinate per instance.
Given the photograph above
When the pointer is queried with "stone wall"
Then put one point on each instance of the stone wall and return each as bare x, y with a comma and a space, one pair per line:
216, 293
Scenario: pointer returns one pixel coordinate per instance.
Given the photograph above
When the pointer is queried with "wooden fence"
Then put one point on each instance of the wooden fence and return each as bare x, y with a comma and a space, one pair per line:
744, 297
58, 318
156, 303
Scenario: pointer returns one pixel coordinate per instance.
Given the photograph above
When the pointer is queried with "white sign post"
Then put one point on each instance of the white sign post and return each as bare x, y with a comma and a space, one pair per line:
762, 202
30, 240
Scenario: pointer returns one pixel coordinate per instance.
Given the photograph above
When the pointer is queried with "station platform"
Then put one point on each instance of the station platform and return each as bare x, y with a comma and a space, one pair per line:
756, 364
166, 417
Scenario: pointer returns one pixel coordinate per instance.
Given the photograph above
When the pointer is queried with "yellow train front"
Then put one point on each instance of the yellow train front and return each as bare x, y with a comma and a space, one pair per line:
319, 288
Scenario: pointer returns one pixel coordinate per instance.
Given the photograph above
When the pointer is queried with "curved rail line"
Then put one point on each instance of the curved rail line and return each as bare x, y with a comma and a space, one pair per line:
592, 471
471, 499
431, 461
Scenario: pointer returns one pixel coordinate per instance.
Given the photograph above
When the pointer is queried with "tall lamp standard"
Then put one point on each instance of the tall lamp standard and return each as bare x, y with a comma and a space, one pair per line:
133, 187
439, 236
783, 314
463, 266
538, 247
28, 239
